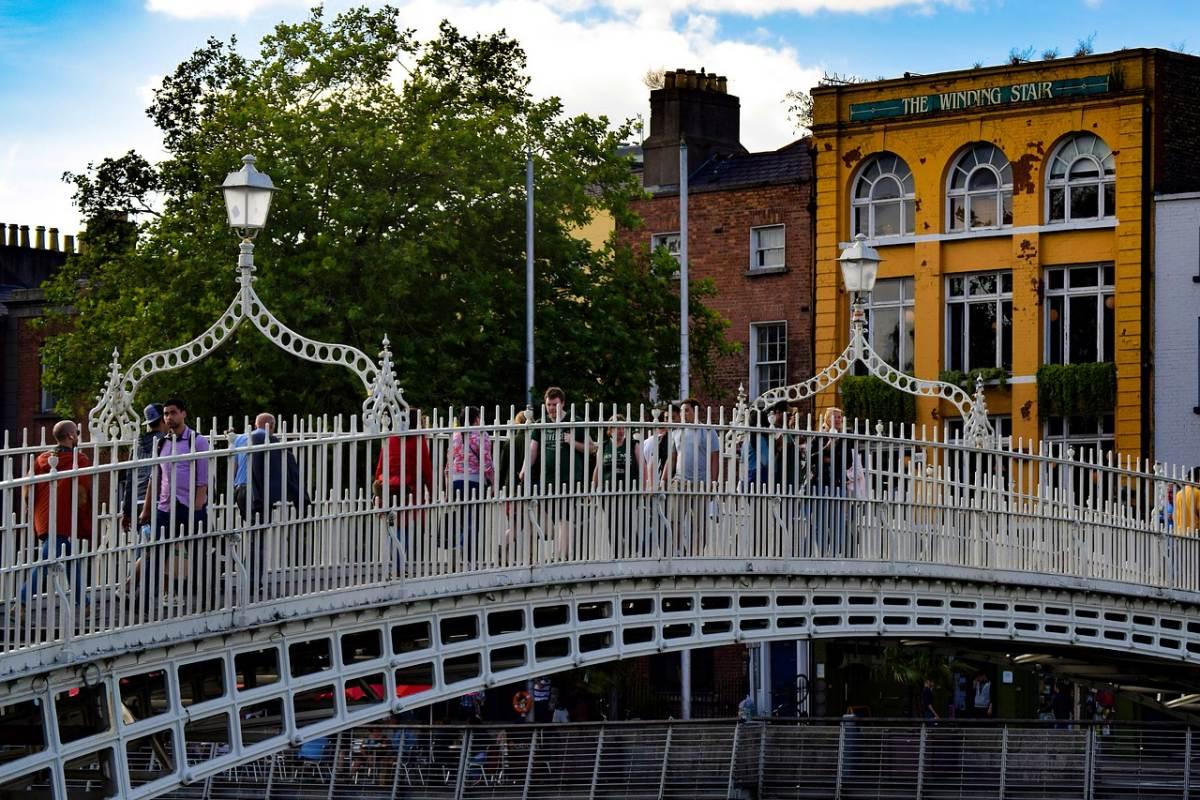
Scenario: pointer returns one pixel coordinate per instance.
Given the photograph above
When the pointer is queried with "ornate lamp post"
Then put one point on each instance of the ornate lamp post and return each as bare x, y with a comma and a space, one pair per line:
247, 203
859, 264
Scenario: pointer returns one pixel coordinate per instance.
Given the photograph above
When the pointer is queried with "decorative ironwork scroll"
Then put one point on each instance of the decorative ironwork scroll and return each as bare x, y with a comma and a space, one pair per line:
115, 418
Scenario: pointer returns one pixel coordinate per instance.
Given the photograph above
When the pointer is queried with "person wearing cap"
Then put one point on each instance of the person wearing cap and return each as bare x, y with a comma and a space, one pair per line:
133, 484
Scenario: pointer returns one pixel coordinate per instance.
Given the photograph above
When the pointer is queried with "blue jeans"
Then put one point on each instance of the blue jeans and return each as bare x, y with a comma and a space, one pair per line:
466, 494
62, 549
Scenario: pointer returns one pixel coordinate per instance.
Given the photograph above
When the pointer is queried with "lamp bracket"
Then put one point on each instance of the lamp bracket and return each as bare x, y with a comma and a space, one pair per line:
977, 430
384, 409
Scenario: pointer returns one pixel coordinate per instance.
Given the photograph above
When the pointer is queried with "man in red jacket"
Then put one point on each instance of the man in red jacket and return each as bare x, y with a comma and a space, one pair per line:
404, 477
62, 509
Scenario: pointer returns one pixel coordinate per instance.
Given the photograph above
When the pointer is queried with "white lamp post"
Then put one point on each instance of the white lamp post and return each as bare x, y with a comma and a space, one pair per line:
247, 202
247, 198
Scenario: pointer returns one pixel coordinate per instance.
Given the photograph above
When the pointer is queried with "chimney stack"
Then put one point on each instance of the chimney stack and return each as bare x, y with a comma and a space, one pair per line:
696, 107
54, 239
68, 243
25, 236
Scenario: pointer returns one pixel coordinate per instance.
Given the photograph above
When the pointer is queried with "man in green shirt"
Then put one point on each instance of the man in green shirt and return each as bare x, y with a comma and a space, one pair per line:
557, 463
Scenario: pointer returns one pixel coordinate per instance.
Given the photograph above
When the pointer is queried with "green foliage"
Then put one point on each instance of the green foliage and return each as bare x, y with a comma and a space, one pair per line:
1077, 390
401, 212
869, 398
966, 380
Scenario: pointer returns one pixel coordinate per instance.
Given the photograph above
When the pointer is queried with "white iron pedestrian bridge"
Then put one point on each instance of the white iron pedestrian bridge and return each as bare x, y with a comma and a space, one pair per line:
322, 604
343, 606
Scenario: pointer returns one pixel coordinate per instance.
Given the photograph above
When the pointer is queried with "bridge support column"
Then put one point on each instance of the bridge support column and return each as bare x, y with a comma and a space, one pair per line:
758, 667
685, 684
803, 675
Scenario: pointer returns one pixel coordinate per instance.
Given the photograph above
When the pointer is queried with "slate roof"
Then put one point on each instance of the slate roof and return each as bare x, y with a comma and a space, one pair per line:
790, 164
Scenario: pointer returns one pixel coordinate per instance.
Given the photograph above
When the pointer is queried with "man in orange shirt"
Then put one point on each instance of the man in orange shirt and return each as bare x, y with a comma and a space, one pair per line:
66, 520
1187, 507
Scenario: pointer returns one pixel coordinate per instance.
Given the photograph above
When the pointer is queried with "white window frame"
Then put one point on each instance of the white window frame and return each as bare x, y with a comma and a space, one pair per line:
1103, 293
755, 249
1002, 172
999, 297
1095, 436
1101, 155
755, 388
907, 302
664, 239
899, 171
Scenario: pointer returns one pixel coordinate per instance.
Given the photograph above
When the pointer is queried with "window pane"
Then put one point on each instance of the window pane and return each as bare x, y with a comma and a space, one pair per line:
1082, 277
1110, 200
770, 258
886, 189
1057, 205
982, 284
770, 237
1084, 169
909, 216
1006, 201
906, 288
1006, 334
886, 291
885, 334
1006, 282
1109, 353
1085, 202
983, 210
862, 216
887, 219
958, 213
954, 330
907, 341
1082, 315
1109, 273
1055, 279
982, 179
1055, 320
981, 335
862, 188
956, 287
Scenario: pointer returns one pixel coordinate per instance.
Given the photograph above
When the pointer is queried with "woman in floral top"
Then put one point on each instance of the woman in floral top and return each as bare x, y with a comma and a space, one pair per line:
467, 470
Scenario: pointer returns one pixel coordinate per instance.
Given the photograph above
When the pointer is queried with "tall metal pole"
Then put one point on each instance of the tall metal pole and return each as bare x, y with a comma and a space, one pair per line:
529, 278
684, 355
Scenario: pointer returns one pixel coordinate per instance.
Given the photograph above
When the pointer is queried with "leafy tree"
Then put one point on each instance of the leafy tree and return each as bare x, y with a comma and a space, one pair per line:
401, 212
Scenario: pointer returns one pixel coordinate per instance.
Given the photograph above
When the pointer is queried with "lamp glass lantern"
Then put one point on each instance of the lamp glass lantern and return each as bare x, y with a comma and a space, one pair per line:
860, 266
247, 198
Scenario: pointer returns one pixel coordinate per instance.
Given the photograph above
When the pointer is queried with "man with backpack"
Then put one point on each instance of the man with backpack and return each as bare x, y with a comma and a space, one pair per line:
181, 510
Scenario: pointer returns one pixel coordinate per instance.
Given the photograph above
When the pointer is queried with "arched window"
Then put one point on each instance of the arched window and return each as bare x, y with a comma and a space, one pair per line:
882, 204
1082, 182
980, 191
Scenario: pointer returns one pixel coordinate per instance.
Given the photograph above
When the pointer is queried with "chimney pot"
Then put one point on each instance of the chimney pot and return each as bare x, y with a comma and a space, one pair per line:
68, 243
24, 236
54, 239
669, 80
722, 85
12, 234
40, 237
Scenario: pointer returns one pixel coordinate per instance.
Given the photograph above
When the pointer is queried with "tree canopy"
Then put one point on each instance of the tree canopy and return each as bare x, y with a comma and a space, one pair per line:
401, 211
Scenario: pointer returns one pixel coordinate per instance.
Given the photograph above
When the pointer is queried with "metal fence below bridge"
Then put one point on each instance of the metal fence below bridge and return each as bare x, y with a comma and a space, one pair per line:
810, 759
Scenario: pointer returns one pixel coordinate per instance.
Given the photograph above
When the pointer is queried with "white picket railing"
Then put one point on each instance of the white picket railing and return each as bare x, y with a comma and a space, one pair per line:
322, 525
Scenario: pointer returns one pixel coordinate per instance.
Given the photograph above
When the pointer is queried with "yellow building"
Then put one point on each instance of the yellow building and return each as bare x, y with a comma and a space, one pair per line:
1012, 207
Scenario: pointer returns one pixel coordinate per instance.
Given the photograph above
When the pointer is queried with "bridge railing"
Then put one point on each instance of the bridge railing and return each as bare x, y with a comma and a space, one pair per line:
818, 758
320, 509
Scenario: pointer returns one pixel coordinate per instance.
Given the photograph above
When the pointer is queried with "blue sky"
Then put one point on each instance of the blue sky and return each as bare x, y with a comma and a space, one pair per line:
75, 77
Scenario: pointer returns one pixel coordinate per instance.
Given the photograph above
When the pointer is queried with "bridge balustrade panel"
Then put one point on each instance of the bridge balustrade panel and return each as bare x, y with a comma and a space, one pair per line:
327, 511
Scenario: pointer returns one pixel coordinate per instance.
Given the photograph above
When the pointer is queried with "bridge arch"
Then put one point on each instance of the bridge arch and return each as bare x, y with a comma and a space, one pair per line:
305, 672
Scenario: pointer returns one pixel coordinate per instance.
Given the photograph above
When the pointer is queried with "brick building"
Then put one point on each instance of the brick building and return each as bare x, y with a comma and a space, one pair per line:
749, 229
24, 266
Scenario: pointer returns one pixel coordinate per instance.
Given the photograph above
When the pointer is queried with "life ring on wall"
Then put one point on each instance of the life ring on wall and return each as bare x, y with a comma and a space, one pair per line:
522, 702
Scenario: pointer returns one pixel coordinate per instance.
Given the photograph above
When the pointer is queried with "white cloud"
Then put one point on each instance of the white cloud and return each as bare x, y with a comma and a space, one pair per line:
596, 65
241, 9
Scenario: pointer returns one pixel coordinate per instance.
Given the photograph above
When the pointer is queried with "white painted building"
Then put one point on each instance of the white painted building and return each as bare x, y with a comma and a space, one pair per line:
1177, 329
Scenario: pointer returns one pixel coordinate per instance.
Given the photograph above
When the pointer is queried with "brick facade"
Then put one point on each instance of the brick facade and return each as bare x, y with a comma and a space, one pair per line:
719, 224
24, 265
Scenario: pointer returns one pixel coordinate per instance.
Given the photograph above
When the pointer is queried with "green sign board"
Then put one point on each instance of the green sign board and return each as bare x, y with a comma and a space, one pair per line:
978, 98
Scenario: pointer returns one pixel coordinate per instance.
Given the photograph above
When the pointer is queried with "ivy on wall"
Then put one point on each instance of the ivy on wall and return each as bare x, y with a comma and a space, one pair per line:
1077, 390
869, 398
